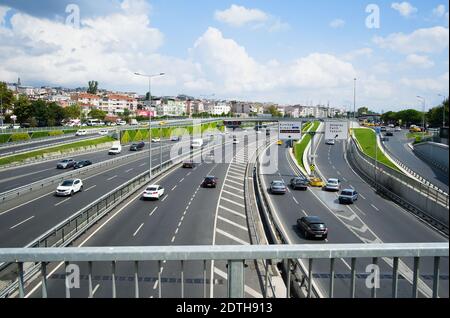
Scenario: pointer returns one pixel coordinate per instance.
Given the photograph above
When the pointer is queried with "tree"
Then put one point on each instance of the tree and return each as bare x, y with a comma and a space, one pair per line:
73, 112
93, 87
389, 117
97, 114
6, 98
363, 111
40, 112
273, 110
23, 109
56, 114
435, 116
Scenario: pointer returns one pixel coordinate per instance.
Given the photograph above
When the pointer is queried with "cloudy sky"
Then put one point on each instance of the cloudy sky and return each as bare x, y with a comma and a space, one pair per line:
297, 51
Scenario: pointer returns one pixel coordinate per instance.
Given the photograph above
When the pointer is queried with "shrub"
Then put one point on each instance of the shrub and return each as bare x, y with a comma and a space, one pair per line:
20, 137
4, 138
55, 133
39, 134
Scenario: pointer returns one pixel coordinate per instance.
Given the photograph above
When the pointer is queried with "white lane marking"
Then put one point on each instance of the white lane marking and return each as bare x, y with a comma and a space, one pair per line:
139, 228
176, 231
346, 264
247, 289
359, 210
173, 239
239, 183
90, 188
234, 238
181, 180
373, 206
232, 223
25, 175
155, 285
344, 179
173, 188
362, 196
109, 179
338, 173
95, 289
295, 200
230, 193
20, 205
189, 173
164, 199
304, 212
151, 213
141, 165
13, 227
179, 224
231, 201
126, 171
234, 188
61, 202
240, 178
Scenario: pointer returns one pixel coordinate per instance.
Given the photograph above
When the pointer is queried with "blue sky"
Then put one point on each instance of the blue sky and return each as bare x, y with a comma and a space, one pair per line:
264, 50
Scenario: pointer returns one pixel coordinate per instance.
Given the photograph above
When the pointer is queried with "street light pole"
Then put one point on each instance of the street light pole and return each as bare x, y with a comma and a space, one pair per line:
150, 116
443, 110
354, 99
423, 115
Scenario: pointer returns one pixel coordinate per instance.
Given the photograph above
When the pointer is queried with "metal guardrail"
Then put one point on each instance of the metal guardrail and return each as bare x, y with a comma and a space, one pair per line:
70, 229
235, 256
353, 151
412, 172
293, 269
438, 196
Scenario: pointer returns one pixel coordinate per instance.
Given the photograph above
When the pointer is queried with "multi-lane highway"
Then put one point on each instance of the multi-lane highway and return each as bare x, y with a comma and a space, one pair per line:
399, 148
187, 214
373, 219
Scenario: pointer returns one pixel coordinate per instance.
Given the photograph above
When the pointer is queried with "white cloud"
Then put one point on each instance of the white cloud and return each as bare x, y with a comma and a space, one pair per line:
439, 11
420, 61
428, 84
405, 8
429, 40
3, 12
364, 52
337, 23
238, 16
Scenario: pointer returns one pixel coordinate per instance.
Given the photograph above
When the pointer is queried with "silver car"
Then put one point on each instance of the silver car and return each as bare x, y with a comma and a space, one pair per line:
333, 185
277, 187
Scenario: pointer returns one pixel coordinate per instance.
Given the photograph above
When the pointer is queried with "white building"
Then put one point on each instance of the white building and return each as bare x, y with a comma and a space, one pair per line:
172, 107
220, 108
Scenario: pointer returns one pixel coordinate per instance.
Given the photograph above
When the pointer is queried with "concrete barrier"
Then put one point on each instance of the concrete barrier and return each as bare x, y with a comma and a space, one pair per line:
426, 202
433, 153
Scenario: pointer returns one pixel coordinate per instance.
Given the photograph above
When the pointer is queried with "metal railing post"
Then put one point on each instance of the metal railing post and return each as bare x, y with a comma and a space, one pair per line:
182, 279
310, 278
395, 278
91, 294
436, 277
204, 279
136, 279
113, 279
353, 279
416, 277
235, 279
44, 279
20, 279
331, 277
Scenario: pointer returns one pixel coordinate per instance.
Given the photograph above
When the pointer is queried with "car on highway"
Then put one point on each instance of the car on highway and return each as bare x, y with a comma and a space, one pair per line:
174, 138
82, 163
383, 128
154, 140
389, 133
189, 164
330, 142
69, 187
299, 183
153, 192
316, 182
279, 142
65, 164
209, 182
81, 132
332, 184
398, 128
277, 187
348, 196
268, 132
235, 141
312, 227
137, 146
196, 143
115, 149
121, 123
103, 132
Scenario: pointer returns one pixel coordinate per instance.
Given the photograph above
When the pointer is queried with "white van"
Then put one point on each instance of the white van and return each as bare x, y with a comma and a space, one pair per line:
197, 143
81, 132
115, 149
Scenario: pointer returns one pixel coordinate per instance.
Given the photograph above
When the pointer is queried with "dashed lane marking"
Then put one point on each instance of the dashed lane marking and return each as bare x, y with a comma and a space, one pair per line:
20, 223
138, 229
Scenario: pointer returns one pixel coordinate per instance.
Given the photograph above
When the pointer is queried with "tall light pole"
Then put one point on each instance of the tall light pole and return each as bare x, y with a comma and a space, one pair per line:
150, 116
423, 115
354, 99
443, 111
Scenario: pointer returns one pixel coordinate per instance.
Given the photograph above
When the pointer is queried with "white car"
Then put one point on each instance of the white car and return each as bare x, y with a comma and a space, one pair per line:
333, 185
398, 128
81, 132
153, 192
156, 139
103, 132
330, 142
69, 187
174, 138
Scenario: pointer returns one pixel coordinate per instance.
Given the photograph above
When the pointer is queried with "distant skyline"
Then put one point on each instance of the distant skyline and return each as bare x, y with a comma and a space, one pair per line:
288, 52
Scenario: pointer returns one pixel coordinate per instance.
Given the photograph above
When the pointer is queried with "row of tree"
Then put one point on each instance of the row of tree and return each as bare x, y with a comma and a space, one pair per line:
435, 117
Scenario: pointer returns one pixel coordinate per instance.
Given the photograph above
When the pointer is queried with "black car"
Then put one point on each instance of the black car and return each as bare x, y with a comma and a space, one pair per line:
299, 183
137, 147
82, 163
312, 227
389, 133
188, 164
209, 182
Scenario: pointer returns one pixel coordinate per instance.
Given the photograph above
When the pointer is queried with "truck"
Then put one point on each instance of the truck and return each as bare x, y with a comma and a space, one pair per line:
115, 149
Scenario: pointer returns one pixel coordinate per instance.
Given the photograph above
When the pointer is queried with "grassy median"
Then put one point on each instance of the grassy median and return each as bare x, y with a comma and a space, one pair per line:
367, 141
62, 148
301, 146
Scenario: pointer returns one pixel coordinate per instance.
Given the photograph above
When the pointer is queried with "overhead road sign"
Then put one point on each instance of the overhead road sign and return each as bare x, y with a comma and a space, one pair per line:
337, 130
290, 130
